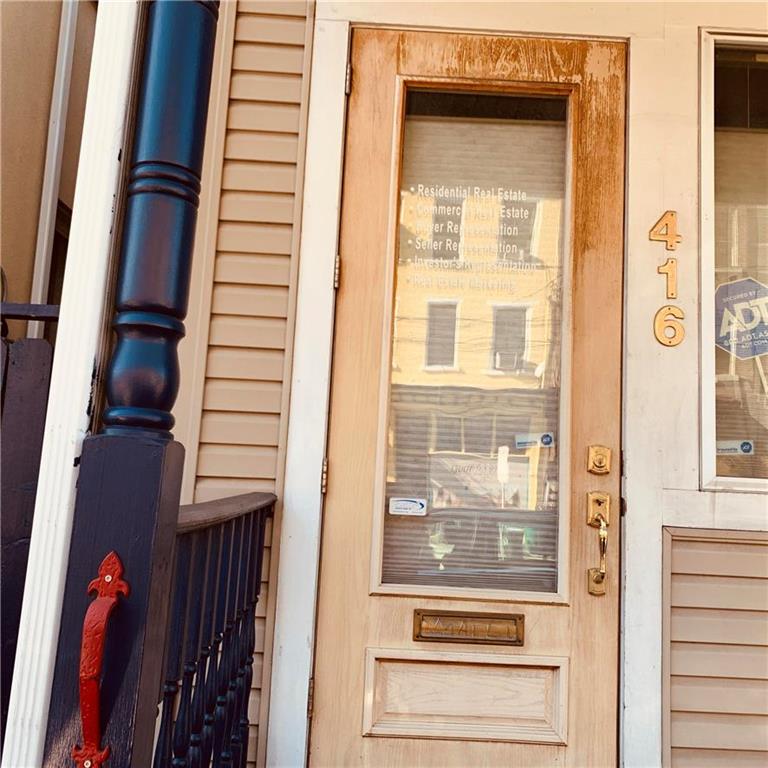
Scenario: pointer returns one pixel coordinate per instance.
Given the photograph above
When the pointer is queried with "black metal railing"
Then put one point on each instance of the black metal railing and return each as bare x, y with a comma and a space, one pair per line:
211, 637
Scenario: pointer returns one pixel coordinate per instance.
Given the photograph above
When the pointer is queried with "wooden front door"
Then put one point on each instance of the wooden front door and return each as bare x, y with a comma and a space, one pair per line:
463, 618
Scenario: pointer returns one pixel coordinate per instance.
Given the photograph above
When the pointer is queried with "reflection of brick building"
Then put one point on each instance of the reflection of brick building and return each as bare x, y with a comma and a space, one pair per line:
477, 307
477, 342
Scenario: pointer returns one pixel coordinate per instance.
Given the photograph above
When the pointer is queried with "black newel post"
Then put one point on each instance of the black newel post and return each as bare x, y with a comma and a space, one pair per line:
130, 475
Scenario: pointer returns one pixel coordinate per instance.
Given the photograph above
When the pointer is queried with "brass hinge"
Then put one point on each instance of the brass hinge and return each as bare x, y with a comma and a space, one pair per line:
348, 79
311, 696
337, 271
324, 477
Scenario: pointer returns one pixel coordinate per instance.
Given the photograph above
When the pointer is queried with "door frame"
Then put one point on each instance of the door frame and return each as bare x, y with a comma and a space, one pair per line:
662, 172
298, 573
300, 537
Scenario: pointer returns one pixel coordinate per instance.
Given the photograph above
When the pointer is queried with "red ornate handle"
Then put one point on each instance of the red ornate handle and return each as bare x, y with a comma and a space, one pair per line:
108, 586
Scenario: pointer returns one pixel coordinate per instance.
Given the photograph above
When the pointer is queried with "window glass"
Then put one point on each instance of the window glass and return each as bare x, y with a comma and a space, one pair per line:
741, 262
475, 386
509, 338
441, 334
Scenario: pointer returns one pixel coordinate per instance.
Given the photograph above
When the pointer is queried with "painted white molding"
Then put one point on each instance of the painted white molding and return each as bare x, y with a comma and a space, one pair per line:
716, 510
292, 656
78, 343
49, 196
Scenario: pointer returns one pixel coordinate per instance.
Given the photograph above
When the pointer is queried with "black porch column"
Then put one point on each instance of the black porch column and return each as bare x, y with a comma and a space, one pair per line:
130, 475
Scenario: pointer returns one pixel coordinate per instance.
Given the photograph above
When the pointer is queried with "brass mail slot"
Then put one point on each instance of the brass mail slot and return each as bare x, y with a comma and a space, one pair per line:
463, 627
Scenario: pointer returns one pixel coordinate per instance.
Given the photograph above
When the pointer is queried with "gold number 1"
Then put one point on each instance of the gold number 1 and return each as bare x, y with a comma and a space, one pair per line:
665, 230
669, 268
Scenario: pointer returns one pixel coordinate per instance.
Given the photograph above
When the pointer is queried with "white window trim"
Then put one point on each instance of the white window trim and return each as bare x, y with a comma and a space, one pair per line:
457, 324
709, 478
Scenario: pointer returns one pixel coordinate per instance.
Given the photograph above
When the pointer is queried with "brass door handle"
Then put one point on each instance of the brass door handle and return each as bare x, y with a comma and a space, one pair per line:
603, 534
598, 516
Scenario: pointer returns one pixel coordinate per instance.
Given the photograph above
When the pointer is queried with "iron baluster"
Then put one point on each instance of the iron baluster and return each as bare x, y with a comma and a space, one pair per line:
182, 726
249, 639
211, 716
173, 656
221, 745
237, 744
204, 665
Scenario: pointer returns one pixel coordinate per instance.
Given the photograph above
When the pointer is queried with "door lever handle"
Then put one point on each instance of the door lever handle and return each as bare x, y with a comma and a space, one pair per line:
598, 516
603, 534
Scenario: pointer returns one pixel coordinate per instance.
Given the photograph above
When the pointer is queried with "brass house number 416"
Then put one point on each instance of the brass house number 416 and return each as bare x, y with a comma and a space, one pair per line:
668, 322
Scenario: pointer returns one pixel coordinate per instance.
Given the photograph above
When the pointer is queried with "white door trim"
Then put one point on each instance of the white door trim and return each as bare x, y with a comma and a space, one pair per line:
292, 655
78, 344
661, 386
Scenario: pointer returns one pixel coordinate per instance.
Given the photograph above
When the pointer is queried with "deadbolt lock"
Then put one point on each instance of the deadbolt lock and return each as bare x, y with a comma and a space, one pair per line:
599, 460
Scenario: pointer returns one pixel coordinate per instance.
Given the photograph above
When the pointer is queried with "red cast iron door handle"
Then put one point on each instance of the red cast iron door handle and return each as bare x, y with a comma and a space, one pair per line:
108, 586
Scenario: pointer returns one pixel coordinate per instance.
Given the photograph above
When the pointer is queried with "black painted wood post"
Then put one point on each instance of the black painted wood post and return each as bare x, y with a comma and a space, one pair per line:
130, 475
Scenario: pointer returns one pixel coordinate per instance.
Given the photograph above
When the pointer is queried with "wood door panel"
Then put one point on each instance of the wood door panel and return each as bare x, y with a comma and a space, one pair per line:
351, 698
472, 696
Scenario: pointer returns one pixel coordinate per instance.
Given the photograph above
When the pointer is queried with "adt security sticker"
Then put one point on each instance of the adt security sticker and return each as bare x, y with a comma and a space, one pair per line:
544, 439
411, 507
741, 318
735, 447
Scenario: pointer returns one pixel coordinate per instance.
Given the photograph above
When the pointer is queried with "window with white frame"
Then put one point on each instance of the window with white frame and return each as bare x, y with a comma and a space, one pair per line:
441, 334
510, 338
739, 247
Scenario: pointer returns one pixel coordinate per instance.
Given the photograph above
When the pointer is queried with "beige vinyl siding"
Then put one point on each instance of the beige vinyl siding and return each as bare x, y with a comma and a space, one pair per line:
716, 648
243, 399
249, 321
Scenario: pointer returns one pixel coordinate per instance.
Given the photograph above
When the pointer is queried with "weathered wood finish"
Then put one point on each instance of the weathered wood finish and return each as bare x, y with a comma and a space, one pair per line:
25, 372
585, 631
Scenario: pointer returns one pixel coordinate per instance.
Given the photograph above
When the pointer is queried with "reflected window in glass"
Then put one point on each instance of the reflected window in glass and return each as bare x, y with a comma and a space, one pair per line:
475, 392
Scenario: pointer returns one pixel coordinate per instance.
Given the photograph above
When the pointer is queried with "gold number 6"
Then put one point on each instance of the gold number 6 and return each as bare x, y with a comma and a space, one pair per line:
667, 326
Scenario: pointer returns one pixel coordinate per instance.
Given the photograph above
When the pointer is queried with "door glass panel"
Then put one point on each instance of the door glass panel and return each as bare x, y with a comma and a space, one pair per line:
474, 434
741, 262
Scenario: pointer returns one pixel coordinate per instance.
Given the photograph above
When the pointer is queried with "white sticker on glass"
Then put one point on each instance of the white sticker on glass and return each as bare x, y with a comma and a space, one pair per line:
735, 447
413, 507
544, 439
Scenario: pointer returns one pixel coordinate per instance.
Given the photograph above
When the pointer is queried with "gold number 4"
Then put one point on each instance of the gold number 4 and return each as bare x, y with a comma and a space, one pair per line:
665, 231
